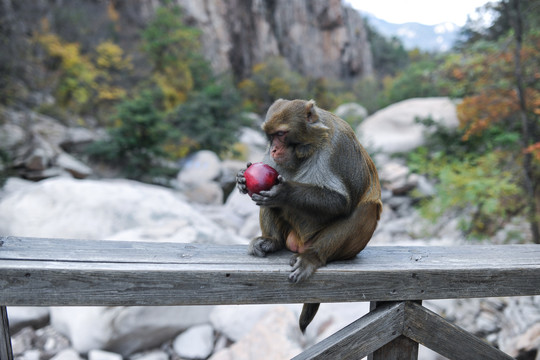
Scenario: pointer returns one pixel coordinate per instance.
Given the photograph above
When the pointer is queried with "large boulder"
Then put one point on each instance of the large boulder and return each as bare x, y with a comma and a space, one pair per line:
124, 329
353, 113
394, 130
275, 336
113, 209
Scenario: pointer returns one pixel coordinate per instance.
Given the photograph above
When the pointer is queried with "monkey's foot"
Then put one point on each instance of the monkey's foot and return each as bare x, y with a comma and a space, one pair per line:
260, 246
302, 268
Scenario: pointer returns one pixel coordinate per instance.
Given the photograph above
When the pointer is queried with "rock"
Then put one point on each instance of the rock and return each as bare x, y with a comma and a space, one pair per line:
67, 354
77, 137
397, 178
203, 166
114, 209
125, 330
237, 36
353, 113
279, 326
151, 355
209, 193
256, 143
393, 129
11, 136
22, 316
236, 322
520, 330
103, 355
39, 159
73, 166
251, 227
22, 340
241, 204
229, 169
195, 343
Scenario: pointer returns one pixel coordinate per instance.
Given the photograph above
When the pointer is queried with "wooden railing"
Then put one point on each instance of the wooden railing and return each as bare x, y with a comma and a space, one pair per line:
58, 272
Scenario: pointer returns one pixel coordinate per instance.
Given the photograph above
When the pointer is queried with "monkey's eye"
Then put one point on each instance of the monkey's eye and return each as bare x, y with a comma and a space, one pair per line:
280, 133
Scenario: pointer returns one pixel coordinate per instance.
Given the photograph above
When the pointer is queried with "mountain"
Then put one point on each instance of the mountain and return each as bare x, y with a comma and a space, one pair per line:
438, 37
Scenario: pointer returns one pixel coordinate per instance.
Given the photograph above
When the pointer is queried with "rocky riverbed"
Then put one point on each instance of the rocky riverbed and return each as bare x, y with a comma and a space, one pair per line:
201, 206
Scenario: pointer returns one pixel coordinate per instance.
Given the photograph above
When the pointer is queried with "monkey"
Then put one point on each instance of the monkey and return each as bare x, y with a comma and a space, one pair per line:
327, 200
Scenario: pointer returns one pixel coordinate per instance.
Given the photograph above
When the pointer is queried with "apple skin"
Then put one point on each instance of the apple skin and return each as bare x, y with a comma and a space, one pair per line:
260, 177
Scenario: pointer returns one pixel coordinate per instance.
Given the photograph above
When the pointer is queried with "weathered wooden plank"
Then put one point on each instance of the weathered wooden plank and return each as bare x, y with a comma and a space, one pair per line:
5, 339
397, 258
362, 337
431, 330
401, 348
74, 272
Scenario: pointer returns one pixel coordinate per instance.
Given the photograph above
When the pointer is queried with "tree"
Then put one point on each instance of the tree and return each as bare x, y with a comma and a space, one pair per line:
209, 119
502, 91
173, 49
136, 142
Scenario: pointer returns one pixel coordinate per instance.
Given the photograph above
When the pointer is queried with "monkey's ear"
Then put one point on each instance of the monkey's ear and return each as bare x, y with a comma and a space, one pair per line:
311, 112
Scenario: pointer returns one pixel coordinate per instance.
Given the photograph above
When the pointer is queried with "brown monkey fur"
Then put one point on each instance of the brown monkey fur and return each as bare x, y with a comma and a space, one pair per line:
327, 201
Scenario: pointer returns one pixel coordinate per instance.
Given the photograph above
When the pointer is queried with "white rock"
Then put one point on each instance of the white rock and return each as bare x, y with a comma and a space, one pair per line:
235, 321
256, 143
90, 209
103, 355
20, 316
195, 343
203, 166
393, 129
152, 355
275, 336
67, 354
251, 227
207, 192
74, 166
124, 330
241, 204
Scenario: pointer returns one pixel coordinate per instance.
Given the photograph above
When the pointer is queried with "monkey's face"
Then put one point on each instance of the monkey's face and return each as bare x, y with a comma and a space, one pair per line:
280, 149
294, 131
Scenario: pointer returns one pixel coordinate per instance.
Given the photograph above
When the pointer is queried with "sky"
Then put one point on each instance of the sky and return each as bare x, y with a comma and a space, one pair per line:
428, 12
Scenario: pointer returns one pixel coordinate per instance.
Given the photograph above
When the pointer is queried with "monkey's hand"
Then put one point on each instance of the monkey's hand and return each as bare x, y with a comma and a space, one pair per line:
241, 180
273, 197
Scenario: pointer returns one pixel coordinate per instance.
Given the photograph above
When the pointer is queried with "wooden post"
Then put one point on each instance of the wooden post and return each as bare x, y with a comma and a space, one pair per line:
5, 339
401, 348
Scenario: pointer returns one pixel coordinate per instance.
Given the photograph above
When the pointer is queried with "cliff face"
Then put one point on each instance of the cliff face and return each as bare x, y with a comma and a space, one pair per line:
319, 38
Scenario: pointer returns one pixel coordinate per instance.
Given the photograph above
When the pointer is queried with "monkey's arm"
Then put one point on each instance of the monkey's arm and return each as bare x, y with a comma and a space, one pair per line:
306, 198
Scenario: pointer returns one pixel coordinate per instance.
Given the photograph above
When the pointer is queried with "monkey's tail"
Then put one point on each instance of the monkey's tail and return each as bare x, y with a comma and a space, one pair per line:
308, 313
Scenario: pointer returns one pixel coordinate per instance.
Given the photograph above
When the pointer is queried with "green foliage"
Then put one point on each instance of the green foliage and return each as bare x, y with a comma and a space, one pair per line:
209, 119
83, 83
136, 143
419, 79
173, 49
270, 81
483, 189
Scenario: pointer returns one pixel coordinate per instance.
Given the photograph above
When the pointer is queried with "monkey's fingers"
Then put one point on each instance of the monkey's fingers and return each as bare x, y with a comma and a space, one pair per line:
301, 270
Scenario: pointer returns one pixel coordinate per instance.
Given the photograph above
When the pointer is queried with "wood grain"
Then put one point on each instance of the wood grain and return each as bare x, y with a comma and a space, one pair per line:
5, 340
56, 272
401, 348
431, 330
362, 337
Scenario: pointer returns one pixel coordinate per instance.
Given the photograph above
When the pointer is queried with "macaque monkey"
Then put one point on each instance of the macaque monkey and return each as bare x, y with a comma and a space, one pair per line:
327, 200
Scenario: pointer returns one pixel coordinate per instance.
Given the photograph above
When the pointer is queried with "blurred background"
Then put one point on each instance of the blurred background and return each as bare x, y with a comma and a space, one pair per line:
128, 120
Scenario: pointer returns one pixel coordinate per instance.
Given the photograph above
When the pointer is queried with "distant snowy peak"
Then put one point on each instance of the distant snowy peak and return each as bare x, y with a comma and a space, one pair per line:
438, 37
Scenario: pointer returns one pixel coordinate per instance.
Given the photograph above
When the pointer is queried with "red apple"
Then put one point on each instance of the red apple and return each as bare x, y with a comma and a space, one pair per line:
260, 177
